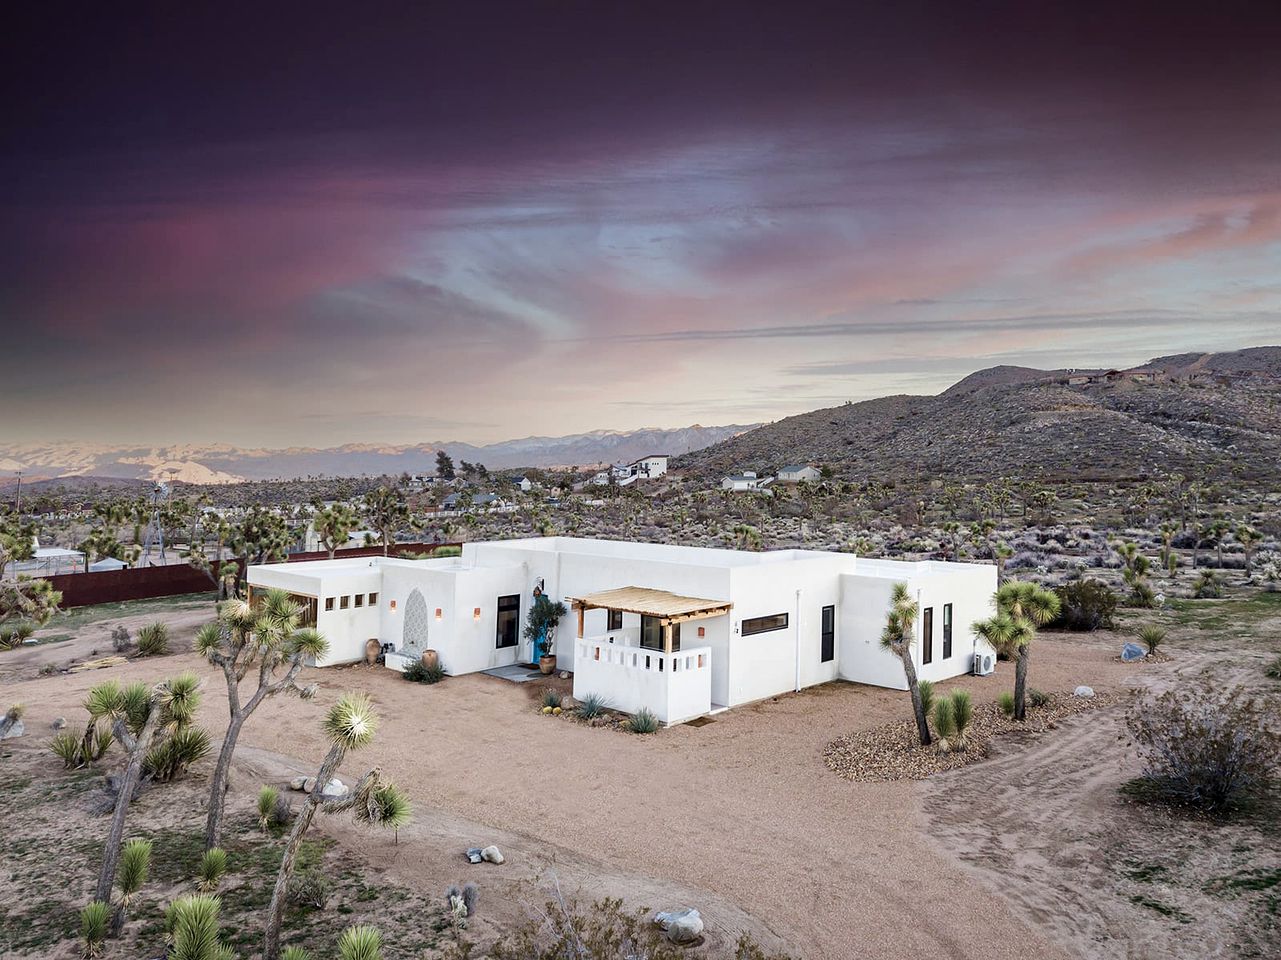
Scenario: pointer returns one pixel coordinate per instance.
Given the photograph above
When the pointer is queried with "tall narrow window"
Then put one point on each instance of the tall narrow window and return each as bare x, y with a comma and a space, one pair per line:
927, 635
508, 620
828, 653
615, 620
947, 630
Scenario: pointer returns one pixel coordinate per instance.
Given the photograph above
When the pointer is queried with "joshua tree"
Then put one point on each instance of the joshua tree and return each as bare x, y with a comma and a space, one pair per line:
350, 725
1136, 573
1001, 552
387, 512
245, 636
333, 526
900, 625
136, 715
31, 601
1021, 608
1249, 539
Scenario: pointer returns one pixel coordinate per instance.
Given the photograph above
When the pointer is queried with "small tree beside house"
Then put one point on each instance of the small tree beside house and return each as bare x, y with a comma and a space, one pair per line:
900, 625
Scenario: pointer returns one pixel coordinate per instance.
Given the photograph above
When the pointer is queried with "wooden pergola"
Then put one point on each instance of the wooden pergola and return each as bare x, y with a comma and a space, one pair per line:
666, 607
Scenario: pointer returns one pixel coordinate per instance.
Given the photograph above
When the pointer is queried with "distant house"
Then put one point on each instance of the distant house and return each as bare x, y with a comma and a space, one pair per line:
1079, 379
651, 467
798, 473
625, 474
524, 484
745, 482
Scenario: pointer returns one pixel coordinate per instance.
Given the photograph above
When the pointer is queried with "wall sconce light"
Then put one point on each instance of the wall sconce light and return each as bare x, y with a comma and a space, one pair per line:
475, 614
393, 606
438, 613
702, 631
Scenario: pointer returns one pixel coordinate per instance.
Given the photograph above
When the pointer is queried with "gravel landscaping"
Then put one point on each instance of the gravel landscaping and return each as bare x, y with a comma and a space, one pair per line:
893, 751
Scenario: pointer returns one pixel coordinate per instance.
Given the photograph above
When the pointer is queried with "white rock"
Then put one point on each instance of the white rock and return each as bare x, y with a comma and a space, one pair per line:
682, 926
298, 783
335, 788
1083, 691
491, 854
308, 784
17, 730
59, 723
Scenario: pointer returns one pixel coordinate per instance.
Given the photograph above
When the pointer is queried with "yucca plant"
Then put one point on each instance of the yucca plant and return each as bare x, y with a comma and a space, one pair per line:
265, 642
349, 725
592, 705
1006, 702
95, 921
66, 747
153, 640
267, 797
643, 721
135, 862
962, 716
193, 924
171, 757
360, 943
210, 870
944, 725
294, 953
1150, 635
927, 695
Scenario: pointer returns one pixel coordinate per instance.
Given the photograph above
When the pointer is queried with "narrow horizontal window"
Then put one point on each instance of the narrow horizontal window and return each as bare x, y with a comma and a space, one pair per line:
776, 621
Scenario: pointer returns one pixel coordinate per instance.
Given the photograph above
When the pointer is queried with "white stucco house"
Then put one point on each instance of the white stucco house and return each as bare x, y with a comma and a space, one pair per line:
651, 467
799, 473
745, 482
625, 474
684, 631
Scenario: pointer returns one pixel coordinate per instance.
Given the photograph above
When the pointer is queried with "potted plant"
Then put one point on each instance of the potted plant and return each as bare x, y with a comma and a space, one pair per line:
540, 630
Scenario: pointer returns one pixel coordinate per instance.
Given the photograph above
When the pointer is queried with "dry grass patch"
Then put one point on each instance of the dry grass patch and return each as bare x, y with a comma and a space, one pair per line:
894, 752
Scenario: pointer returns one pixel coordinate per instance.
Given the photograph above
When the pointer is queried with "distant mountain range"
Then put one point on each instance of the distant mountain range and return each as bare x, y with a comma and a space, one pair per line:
1196, 413
221, 463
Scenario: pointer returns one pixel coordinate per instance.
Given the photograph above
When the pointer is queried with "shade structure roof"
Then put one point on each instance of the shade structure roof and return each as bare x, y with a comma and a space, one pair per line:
651, 603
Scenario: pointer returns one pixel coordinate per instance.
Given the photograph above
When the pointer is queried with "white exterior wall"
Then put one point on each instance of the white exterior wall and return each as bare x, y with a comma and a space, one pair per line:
346, 630
675, 686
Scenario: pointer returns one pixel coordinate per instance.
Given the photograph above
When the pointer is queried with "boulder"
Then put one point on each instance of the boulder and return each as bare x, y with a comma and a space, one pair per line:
681, 926
17, 730
491, 854
308, 784
1131, 652
298, 783
335, 788
59, 723
474, 855
1083, 691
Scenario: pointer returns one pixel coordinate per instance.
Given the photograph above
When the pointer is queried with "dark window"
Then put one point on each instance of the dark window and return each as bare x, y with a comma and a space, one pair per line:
360, 599
927, 636
329, 603
373, 599
777, 621
508, 620
344, 603
652, 634
615, 620
829, 635
947, 630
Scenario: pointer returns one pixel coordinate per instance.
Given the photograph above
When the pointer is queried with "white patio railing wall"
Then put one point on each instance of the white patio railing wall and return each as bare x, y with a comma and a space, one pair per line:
675, 686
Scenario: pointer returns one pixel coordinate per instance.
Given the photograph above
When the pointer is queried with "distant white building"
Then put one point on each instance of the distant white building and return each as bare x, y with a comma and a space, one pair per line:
651, 467
523, 483
625, 474
746, 481
799, 473
682, 631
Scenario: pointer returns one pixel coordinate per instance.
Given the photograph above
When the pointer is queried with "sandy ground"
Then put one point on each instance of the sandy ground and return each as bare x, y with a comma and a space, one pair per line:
738, 817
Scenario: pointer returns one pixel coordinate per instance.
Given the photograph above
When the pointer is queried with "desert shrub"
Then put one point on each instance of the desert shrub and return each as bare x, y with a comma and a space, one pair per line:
419, 672
14, 634
66, 747
95, 920
643, 721
309, 888
592, 705
1037, 698
170, 758
1005, 701
926, 688
48, 669
552, 698
267, 797
120, 639
1151, 636
1086, 605
1273, 669
1208, 586
153, 640
1203, 748
460, 902
210, 870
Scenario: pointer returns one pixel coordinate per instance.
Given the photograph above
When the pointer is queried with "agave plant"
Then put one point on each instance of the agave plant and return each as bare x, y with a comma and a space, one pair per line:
95, 920
643, 721
210, 871
360, 943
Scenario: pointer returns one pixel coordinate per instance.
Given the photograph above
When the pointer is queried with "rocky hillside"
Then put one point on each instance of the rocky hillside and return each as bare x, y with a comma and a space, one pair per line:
1210, 413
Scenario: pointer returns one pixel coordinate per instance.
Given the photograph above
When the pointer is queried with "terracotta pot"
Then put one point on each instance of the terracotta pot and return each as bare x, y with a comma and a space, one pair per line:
431, 659
546, 664
372, 649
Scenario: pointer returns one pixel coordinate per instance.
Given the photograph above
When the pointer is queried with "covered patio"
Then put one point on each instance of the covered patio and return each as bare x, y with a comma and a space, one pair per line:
645, 664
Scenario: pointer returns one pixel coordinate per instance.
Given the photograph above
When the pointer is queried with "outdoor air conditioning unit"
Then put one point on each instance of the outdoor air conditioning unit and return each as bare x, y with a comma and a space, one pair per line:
984, 664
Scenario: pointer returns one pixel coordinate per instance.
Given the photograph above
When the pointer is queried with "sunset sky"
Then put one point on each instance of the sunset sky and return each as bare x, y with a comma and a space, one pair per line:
412, 222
